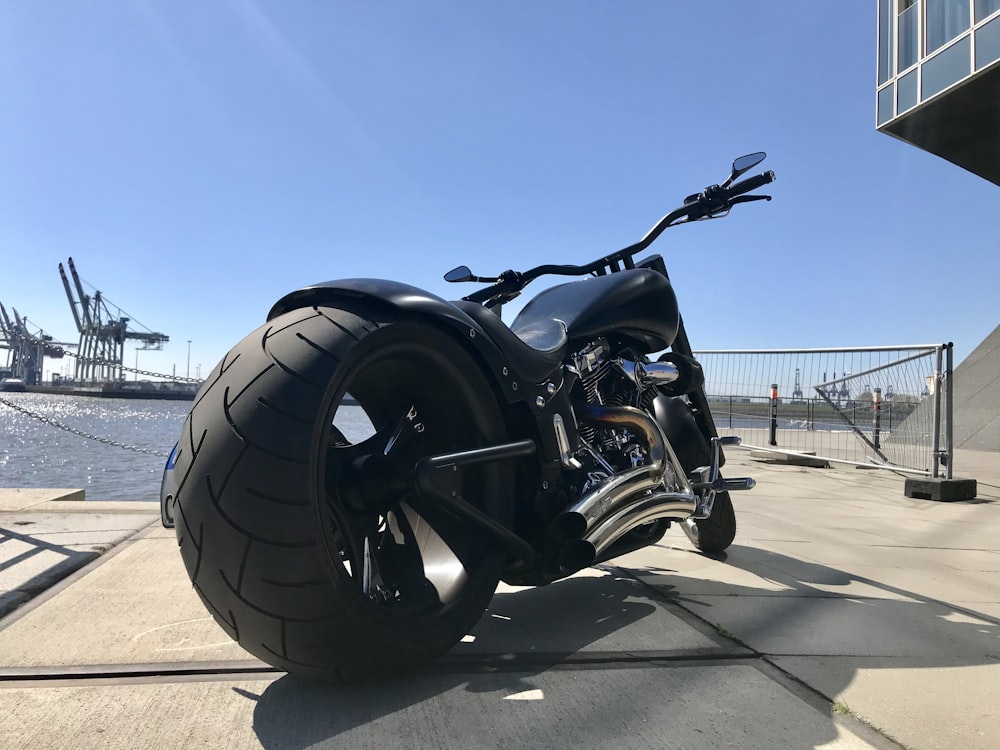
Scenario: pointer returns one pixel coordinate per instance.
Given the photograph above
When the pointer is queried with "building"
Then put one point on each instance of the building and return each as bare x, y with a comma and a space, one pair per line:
939, 79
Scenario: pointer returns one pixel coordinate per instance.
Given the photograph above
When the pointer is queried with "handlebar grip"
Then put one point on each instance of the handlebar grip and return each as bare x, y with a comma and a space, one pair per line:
751, 183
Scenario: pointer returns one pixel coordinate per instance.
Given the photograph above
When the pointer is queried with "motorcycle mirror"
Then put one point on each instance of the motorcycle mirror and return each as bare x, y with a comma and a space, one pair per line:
462, 273
743, 164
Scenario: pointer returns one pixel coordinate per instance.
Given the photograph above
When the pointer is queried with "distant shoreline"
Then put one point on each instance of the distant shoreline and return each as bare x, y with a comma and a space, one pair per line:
113, 391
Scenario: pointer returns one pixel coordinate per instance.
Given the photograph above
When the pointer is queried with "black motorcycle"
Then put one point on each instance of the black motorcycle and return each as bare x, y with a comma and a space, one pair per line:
357, 475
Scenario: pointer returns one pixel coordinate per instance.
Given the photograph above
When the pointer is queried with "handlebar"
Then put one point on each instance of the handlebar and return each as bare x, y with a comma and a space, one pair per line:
713, 201
751, 183
512, 282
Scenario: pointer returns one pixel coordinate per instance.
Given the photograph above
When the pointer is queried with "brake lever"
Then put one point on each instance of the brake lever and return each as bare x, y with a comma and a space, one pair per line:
748, 199
475, 280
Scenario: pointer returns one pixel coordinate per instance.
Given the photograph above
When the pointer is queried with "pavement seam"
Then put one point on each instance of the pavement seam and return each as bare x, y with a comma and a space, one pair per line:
72, 575
705, 627
763, 663
825, 704
91, 673
471, 664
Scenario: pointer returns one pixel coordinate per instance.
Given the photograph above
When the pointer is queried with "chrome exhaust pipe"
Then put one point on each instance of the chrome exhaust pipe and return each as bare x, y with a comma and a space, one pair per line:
575, 522
628, 499
635, 512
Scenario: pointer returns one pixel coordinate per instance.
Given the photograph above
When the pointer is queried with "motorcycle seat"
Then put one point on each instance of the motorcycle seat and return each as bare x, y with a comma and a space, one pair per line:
534, 351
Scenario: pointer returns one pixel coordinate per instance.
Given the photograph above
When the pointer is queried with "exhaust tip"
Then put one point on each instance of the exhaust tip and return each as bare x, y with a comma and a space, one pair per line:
568, 527
577, 555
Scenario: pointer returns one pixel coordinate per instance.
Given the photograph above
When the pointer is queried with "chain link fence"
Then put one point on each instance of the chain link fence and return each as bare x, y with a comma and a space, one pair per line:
886, 407
123, 368
74, 431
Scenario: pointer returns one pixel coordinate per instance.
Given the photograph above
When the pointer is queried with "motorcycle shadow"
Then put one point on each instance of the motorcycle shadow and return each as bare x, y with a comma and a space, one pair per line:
513, 683
848, 636
523, 634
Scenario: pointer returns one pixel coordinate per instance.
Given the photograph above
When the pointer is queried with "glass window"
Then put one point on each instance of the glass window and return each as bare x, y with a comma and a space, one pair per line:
945, 68
906, 92
988, 44
907, 34
885, 102
885, 29
944, 20
985, 8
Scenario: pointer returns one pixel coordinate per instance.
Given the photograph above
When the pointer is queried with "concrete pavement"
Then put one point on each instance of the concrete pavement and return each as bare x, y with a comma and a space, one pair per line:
46, 534
842, 604
887, 606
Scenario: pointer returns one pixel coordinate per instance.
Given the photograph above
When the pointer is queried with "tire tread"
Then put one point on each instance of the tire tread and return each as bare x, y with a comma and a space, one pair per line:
249, 531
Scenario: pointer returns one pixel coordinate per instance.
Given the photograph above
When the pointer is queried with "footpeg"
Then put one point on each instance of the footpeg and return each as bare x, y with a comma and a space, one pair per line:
735, 484
711, 481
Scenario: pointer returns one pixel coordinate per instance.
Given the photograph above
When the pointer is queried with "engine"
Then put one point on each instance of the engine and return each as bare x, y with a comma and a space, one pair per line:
607, 381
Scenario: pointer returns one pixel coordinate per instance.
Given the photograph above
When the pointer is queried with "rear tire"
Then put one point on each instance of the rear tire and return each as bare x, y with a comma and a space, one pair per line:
300, 537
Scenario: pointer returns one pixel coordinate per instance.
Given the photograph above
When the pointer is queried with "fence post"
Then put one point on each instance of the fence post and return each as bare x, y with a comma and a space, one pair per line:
877, 415
949, 404
774, 414
936, 437
730, 412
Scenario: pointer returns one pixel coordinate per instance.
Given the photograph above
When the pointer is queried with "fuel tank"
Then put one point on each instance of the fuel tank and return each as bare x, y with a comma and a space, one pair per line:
637, 307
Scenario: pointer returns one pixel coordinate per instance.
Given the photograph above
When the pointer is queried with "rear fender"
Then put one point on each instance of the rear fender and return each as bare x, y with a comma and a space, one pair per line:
399, 297
396, 297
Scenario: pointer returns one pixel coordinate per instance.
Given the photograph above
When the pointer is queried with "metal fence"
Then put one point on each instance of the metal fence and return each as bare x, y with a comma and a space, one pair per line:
887, 406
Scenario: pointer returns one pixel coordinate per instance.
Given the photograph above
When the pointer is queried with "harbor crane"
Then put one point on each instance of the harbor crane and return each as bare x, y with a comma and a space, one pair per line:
797, 393
27, 348
103, 334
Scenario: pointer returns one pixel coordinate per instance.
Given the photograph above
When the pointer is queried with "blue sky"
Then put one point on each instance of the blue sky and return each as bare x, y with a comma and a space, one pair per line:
200, 159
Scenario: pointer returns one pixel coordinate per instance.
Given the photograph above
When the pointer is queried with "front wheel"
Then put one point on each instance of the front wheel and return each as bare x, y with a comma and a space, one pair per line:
715, 533
296, 515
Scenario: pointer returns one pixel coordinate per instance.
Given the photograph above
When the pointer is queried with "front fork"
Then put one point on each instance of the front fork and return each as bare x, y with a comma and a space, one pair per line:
707, 478
706, 481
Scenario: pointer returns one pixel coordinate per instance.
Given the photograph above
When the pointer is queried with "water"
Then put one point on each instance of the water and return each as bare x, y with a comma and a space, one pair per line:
35, 454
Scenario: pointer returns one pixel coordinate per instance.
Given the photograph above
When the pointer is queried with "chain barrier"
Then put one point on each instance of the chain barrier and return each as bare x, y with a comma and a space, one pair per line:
123, 368
80, 433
